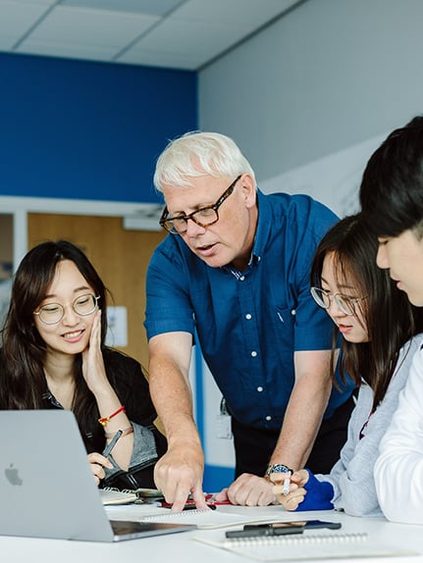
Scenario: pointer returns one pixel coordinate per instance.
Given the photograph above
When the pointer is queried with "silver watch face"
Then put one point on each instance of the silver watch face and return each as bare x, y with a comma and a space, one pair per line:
278, 468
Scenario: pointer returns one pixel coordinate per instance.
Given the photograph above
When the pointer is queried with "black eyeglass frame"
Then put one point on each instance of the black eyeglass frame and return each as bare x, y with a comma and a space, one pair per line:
164, 219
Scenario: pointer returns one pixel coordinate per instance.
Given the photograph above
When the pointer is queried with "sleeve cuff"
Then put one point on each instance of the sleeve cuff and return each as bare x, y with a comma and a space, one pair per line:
319, 495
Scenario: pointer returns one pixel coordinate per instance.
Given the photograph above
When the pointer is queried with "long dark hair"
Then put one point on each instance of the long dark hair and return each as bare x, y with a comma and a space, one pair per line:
22, 379
391, 191
389, 318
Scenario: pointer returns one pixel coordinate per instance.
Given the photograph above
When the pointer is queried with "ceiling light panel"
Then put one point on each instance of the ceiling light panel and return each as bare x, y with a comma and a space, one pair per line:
39, 2
151, 7
91, 27
177, 36
255, 12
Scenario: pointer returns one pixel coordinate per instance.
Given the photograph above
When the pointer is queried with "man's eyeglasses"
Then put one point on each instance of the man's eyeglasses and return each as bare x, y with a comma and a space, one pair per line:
53, 313
345, 304
203, 217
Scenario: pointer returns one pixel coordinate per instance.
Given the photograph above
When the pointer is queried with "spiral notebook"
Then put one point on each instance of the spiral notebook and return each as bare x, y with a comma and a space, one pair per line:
312, 547
114, 496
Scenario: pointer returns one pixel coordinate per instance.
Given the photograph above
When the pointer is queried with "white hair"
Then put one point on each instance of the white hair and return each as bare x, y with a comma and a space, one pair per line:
199, 154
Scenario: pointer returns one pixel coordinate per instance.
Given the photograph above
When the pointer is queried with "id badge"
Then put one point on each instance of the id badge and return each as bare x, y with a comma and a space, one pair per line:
223, 422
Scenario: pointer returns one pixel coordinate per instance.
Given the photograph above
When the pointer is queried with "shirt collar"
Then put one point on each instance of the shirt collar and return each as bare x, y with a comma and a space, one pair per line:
261, 237
48, 396
263, 227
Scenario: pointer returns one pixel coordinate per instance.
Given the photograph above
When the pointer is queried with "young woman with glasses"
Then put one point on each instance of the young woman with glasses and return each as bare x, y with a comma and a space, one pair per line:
53, 356
378, 327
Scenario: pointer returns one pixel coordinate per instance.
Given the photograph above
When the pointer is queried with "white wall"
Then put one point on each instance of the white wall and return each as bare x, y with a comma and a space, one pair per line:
308, 100
334, 179
330, 74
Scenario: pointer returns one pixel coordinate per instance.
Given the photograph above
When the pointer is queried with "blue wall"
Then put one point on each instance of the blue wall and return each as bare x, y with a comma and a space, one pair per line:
87, 130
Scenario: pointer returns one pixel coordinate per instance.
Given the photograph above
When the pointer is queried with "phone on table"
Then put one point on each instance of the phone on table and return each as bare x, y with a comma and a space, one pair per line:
280, 528
306, 524
189, 505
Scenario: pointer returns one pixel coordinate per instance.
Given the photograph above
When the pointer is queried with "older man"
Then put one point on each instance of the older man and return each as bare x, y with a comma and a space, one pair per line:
235, 269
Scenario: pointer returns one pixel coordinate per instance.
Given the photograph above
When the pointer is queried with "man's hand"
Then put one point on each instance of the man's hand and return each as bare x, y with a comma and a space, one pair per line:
248, 490
296, 489
180, 473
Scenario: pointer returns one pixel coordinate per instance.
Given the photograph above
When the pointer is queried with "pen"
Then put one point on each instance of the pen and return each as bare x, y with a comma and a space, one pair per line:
108, 449
211, 498
286, 483
263, 532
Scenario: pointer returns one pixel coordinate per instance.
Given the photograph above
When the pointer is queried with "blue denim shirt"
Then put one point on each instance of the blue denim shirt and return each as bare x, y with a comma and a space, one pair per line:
249, 323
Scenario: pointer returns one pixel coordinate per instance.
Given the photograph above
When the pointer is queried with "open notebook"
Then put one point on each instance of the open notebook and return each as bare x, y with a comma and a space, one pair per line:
202, 519
29, 471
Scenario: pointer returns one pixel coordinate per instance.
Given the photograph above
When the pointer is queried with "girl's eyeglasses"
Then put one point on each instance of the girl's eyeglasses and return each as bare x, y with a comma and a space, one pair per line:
344, 303
53, 313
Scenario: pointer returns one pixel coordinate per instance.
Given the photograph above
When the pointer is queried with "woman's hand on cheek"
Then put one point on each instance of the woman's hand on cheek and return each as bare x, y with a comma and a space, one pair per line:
93, 368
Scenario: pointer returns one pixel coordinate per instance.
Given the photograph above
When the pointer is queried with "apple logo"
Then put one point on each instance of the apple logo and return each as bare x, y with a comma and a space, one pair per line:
12, 475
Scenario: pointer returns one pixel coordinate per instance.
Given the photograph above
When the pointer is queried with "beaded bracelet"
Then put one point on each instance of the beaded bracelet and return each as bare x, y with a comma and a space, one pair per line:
105, 419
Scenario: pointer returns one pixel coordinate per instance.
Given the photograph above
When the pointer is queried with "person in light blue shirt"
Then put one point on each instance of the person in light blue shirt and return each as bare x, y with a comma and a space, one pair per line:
380, 333
235, 271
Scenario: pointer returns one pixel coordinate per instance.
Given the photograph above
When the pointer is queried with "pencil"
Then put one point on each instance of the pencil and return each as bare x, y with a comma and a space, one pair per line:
286, 483
108, 449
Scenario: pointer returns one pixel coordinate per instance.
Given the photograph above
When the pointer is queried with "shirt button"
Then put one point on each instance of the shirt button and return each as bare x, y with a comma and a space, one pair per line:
268, 418
242, 278
260, 389
253, 353
248, 316
293, 312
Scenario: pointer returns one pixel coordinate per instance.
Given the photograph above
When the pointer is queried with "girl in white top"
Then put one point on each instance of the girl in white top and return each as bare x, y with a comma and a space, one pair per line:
391, 196
377, 325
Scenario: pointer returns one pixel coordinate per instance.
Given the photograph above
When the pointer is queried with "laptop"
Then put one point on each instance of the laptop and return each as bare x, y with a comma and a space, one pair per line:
46, 486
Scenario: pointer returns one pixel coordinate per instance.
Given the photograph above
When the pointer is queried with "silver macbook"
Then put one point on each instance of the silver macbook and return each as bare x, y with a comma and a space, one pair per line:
46, 486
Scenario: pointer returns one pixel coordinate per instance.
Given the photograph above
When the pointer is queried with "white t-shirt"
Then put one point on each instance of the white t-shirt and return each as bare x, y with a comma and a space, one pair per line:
399, 469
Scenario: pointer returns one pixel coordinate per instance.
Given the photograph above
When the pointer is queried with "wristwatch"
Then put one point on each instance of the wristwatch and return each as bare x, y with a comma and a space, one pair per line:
278, 468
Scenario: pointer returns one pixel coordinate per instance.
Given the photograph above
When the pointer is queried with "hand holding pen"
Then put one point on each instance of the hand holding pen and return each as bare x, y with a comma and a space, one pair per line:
99, 461
286, 484
97, 464
108, 449
279, 473
295, 489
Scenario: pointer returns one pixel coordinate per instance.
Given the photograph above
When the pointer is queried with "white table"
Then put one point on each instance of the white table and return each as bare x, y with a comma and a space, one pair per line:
181, 547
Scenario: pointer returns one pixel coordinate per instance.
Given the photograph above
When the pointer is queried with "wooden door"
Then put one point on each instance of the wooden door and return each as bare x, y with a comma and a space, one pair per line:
120, 257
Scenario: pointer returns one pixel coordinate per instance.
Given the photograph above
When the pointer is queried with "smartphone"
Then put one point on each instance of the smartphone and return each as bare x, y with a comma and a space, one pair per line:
305, 524
189, 505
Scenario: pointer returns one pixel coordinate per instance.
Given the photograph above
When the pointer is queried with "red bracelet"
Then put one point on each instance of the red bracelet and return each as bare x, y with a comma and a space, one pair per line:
105, 419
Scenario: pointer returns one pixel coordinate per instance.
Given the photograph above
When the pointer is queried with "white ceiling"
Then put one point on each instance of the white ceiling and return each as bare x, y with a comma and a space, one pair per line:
183, 34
